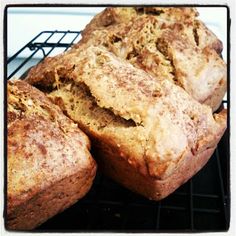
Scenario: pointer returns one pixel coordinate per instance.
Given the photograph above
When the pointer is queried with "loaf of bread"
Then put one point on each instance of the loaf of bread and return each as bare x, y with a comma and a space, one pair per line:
149, 134
169, 43
49, 166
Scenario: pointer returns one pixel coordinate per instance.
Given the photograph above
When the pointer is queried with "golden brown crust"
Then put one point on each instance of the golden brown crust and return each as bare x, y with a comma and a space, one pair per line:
109, 17
215, 100
138, 39
149, 130
203, 76
112, 17
112, 165
168, 43
206, 38
51, 201
110, 160
45, 148
151, 125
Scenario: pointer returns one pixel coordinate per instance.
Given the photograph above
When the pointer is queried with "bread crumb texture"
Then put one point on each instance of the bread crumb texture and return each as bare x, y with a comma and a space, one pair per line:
154, 122
169, 43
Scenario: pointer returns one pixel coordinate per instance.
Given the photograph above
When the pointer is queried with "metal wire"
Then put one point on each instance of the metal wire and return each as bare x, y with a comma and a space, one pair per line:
28, 58
36, 45
123, 210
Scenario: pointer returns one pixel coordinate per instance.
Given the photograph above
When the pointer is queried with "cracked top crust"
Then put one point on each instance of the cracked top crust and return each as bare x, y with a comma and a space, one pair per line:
114, 17
168, 43
44, 146
154, 123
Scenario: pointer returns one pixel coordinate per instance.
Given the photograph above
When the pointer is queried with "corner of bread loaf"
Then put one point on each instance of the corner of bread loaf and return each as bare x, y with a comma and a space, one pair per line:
221, 118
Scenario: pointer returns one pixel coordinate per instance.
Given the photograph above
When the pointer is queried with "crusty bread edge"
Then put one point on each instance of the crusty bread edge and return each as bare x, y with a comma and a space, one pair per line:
215, 99
112, 165
51, 201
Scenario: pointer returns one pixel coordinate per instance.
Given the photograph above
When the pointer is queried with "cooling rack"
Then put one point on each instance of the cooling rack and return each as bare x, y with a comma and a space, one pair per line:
201, 204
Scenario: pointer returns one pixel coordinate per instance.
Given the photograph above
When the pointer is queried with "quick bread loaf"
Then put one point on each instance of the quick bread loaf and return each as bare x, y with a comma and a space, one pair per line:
170, 43
149, 134
49, 166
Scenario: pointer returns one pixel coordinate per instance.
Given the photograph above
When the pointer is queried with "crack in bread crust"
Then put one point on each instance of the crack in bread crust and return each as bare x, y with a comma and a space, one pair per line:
119, 84
190, 59
167, 120
144, 24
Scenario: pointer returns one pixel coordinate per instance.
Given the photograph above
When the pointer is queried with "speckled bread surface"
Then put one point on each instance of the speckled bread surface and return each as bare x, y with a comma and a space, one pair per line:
150, 135
49, 166
168, 42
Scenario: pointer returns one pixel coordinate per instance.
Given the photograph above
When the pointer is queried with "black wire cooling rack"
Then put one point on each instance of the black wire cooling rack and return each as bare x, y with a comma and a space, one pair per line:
202, 204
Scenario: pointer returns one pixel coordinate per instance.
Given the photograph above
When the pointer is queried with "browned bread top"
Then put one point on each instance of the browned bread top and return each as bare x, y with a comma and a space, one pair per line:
113, 16
44, 146
168, 43
153, 122
171, 56
118, 17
